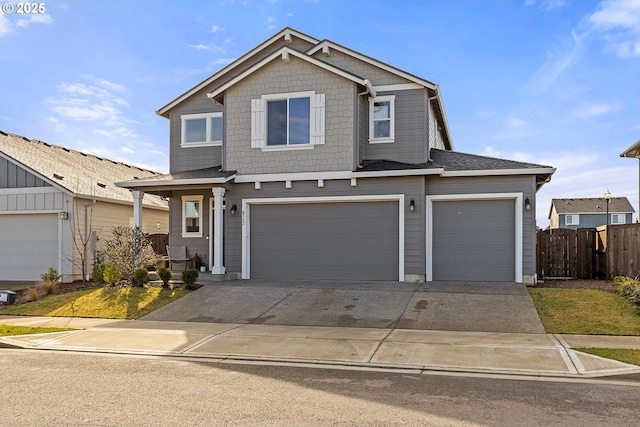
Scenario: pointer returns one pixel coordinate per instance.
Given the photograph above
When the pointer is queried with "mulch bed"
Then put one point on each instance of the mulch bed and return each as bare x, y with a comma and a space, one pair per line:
601, 285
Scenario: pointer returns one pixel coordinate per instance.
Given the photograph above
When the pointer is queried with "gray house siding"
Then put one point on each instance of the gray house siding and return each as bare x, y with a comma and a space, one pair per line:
336, 154
410, 129
13, 176
591, 220
411, 187
184, 159
524, 184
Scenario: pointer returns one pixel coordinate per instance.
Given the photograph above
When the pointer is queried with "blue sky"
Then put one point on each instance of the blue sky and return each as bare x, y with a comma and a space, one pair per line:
555, 82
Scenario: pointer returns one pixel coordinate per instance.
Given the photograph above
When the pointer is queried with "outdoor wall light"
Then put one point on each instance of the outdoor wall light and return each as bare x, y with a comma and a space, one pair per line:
158, 225
64, 215
234, 208
527, 204
412, 205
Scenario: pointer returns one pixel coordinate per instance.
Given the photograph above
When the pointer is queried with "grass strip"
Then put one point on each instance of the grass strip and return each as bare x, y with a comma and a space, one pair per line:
104, 303
620, 354
10, 330
585, 311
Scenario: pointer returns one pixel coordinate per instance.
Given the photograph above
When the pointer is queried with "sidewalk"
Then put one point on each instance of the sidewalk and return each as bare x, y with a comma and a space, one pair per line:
481, 352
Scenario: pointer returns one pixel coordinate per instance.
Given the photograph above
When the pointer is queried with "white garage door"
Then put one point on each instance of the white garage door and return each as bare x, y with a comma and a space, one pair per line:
347, 240
28, 246
474, 240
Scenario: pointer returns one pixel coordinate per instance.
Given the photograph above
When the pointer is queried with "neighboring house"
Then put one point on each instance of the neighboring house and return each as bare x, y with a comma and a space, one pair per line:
589, 212
52, 197
304, 159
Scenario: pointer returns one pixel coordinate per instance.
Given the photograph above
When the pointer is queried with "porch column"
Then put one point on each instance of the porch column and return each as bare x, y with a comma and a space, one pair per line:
218, 230
137, 208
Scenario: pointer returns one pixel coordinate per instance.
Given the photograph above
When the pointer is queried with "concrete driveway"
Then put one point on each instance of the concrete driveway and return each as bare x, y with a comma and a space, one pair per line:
445, 306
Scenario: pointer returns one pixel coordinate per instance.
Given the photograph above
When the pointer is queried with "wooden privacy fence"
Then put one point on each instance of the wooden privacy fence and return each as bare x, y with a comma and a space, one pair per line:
159, 243
589, 253
564, 252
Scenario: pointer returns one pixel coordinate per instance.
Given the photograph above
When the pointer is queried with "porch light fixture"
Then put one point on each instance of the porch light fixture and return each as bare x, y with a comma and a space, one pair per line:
412, 205
158, 225
234, 208
527, 204
64, 215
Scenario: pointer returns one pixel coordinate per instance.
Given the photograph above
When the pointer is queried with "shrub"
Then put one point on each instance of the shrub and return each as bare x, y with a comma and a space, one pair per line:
140, 277
629, 288
50, 276
165, 275
112, 274
189, 277
32, 294
97, 275
48, 287
126, 249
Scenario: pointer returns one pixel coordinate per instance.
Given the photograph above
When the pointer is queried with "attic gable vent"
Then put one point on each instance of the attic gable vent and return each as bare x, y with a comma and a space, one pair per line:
56, 176
102, 185
4, 133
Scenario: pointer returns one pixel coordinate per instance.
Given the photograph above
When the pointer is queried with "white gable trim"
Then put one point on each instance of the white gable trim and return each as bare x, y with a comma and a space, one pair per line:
279, 54
39, 175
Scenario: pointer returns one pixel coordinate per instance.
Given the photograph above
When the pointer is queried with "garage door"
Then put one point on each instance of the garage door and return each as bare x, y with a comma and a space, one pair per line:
347, 240
28, 246
474, 240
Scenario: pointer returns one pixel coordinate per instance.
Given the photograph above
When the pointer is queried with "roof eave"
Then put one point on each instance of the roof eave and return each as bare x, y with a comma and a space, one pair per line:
633, 151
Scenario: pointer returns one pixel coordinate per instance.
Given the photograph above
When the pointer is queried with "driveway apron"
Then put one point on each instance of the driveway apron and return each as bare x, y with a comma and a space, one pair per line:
447, 306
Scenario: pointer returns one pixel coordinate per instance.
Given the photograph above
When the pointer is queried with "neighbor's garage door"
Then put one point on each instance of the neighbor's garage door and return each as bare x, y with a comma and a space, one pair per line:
474, 240
347, 240
28, 246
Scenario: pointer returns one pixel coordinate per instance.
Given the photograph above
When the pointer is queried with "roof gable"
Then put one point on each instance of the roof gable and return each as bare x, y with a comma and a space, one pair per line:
80, 174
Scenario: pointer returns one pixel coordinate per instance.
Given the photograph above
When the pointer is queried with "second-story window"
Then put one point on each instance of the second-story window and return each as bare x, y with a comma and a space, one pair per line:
618, 218
288, 121
200, 130
381, 119
572, 219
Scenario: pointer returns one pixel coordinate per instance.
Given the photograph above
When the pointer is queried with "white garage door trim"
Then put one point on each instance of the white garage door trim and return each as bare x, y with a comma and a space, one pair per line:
516, 197
246, 221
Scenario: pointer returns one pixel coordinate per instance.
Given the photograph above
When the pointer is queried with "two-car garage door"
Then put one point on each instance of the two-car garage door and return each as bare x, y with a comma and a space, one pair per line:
337, 240
29, 246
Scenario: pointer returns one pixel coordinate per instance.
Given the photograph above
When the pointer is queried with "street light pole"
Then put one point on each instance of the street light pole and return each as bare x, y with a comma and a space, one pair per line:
607, 198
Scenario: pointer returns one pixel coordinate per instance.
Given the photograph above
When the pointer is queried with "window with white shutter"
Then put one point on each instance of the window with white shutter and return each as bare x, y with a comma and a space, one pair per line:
288, 121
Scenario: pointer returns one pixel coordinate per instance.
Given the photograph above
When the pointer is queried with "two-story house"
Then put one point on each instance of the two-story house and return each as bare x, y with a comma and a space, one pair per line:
589, 212
304, 159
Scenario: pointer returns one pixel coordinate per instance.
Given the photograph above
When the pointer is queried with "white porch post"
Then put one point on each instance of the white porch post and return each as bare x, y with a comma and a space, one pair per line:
137, 208
216, 259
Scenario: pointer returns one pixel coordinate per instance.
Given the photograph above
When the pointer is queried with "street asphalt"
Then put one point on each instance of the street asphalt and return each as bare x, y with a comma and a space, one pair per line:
461, 327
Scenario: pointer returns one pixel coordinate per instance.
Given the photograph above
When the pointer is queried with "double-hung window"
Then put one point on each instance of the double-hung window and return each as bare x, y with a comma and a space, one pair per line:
287, 121
618, 218
381, 119
192, 216
201, 130
572, 219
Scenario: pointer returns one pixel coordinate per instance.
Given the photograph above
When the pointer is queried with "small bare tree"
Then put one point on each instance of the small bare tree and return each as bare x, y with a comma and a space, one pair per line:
129, 249
82, 235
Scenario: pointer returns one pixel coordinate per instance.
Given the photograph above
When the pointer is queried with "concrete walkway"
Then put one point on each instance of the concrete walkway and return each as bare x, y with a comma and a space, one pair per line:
484, 352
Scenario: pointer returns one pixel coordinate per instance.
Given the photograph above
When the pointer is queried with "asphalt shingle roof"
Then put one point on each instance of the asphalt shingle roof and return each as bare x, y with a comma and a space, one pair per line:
80, 173
592, 205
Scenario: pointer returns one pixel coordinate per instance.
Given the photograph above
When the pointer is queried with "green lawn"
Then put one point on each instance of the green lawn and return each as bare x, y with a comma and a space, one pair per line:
106, 303
620, 354
6, 331
585, 311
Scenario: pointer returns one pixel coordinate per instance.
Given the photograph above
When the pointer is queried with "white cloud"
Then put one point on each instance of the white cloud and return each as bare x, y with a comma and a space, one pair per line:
215, 28
5, 26
557, 63
199, 46
547, 5
43, 18
513, 128
618, 21
589, 110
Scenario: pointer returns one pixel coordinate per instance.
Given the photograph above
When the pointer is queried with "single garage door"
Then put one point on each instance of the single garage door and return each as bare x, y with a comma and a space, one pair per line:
29, 246
474, 240
346, 240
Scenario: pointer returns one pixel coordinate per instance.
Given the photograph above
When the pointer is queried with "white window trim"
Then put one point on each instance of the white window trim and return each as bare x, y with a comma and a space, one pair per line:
316, 120
246, 221
573, 217
517, 197
186, 199
392, 108
618, 215
208, 142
